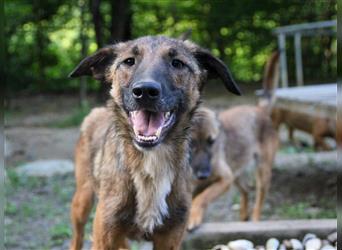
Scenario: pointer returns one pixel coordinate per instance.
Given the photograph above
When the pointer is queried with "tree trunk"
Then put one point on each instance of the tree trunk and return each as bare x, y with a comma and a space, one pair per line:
39, 36
97, 20
120, 29
83, 38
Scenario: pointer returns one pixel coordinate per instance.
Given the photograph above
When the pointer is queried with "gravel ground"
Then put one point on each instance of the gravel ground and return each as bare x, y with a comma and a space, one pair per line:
309, 242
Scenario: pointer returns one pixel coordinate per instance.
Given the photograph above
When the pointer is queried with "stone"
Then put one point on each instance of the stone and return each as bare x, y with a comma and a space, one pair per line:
293, 244
308, 236
332, 237
240, 245
328, 247
272, 244
236, 207
46, 168
313, 244
220, 247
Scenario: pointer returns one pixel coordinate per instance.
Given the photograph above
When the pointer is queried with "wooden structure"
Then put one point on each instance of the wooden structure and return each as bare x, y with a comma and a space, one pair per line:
316, 100
210, 234
327, 28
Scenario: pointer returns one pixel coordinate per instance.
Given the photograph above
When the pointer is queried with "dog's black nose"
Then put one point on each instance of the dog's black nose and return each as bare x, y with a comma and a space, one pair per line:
202, 175
146, 91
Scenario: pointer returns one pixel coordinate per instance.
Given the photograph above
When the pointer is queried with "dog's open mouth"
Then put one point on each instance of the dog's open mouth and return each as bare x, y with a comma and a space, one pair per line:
151, 127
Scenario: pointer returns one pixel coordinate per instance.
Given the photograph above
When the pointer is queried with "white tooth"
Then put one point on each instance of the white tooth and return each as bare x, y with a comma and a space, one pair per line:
167, 114
147, 138
159, 132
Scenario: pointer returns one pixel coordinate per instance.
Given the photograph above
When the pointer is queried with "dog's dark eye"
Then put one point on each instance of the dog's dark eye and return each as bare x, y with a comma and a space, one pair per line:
210, 141
129, 61
178, 64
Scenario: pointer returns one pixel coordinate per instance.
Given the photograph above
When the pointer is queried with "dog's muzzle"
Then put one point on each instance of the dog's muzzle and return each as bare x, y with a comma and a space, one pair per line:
150, 119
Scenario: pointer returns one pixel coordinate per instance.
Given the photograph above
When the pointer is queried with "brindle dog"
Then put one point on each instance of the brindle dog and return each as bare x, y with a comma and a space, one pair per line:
134, 154
224, 149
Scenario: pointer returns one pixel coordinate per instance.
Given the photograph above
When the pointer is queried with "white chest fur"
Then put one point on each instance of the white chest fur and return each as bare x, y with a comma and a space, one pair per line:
153, 184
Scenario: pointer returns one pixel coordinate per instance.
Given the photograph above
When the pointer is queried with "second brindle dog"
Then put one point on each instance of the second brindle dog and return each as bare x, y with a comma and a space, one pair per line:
225, 150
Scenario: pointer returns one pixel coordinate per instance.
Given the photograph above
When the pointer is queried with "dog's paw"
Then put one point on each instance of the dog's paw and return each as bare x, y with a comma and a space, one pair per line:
195, 220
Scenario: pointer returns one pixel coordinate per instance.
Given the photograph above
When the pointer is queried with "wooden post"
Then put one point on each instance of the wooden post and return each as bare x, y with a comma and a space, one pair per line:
298, 57
283, 63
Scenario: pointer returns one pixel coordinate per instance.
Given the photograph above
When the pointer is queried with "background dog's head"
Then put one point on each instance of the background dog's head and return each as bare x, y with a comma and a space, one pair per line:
156, 82
204, 133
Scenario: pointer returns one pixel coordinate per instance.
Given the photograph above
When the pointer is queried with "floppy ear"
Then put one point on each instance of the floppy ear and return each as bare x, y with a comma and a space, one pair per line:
95, 65
216, 69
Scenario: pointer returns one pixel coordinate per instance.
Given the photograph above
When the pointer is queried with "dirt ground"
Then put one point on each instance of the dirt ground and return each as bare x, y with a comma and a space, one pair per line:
37, 209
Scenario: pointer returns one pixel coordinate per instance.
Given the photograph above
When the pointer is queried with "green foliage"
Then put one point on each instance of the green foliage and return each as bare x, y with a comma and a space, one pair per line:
10, 209
292, 149
59, 233
43, 37
303, 210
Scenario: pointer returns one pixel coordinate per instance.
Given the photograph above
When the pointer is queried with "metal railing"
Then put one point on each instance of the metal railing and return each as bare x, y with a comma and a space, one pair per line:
327, 28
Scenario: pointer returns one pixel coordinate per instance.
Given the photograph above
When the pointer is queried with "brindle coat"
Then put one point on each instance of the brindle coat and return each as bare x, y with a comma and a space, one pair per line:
224, 148
223, 156
319, 127
142, 185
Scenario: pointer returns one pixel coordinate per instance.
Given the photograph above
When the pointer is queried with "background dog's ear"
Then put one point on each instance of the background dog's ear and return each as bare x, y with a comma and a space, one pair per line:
185, 35
95, 65
216, 69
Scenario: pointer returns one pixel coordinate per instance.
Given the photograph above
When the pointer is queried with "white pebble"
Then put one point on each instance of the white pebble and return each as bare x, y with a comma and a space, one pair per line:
220, 247
328, 247
282, 247
236, 207
240, 245
296, 244
332, 237
272, 244
313, 244
308, 237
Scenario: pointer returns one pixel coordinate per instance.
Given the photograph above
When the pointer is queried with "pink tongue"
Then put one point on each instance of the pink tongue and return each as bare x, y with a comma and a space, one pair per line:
147, 123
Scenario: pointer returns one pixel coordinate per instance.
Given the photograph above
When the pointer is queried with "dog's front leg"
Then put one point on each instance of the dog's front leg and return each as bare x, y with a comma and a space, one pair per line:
105, 235
201, 201
170, 240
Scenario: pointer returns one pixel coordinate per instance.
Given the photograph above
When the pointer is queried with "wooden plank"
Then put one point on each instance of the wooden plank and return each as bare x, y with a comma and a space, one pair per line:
318, 100
318, 93
210, 234
292, 29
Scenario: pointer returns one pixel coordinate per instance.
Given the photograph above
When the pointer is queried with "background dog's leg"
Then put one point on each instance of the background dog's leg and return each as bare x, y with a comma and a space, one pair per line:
83, 199
105, 235
201, 201
243, 200
263, 175
291, 132
318, 132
